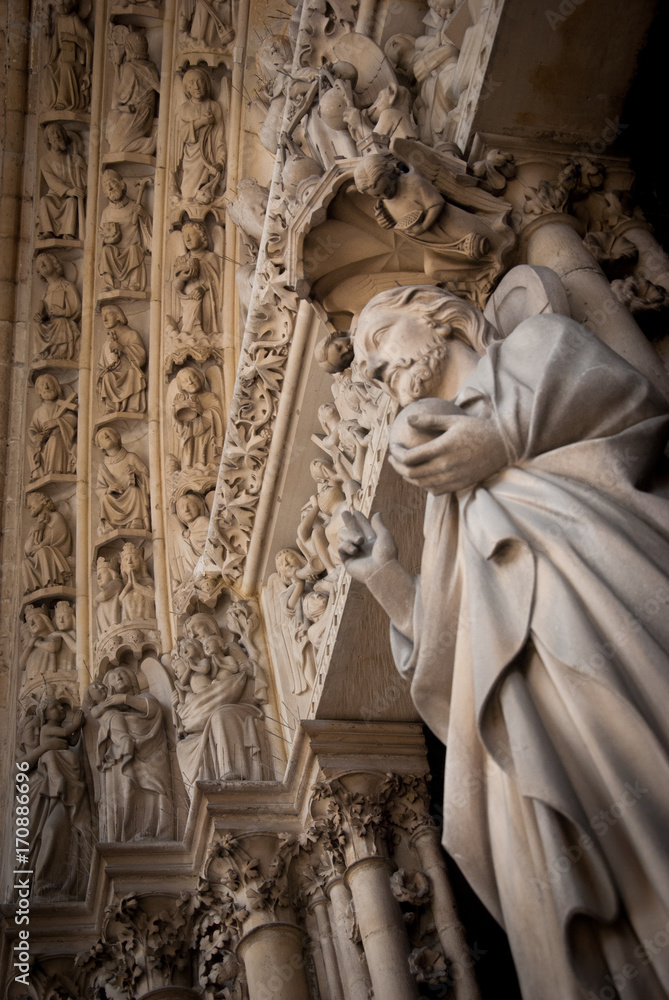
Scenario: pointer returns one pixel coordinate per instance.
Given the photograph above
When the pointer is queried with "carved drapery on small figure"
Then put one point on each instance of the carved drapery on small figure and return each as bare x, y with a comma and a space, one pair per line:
61, 209
138, 596
53, 430
200, 142
48, 546
67, 74
130, 128
217, 697
60, 310
121, 381
122, 485
126, 229
132, 759
60, 818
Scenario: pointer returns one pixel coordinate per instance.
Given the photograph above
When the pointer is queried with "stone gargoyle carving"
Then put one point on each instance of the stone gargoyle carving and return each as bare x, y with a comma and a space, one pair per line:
53, 430
126, 230
122, 485
48, 547
66, 83
59, 313
218, 691
60, 817
532, 638
199, 169
130, 126
131, 757
461, 247
121, 381
63, 170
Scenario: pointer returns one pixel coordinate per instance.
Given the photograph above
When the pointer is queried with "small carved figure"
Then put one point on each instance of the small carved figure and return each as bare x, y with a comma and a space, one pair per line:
248, 211
197, 281
334, 353
126, 230
197, 419
67, 78
192, 512
222, 725
61, 209
122, 485
48, 546
53, 430
60, 816
320, 519
120, 379
201, 150
65, 624
391, 113
434, 66
108, 600
138, 597
204, 25
292, 572
274, 63
502, 633
136, 88
60, 310
406, 201
39, 656
133, 761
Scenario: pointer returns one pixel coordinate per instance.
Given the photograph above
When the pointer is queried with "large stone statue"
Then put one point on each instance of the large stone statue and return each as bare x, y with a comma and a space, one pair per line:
132, 758
53, 430
126, 229
536, 636
59, 313
61, 209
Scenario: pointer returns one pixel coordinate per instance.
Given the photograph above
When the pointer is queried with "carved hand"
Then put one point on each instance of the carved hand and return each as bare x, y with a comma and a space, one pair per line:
465, 451
365, 546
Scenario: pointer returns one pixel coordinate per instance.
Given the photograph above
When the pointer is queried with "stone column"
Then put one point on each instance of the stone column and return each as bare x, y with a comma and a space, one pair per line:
274, 962
319, 907
427, 844
351, 963
552, 241
382, 929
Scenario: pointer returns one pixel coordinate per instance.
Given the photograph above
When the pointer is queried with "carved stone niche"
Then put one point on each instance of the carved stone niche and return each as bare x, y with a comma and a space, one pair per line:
52, 429
129, 753
124, 598
125, 233
57, 304
205, 32
198, 155
61, 215
194, 293
48, 561
134, 82
193, 403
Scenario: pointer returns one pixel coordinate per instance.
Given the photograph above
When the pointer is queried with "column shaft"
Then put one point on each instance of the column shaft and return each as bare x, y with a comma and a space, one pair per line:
274, 962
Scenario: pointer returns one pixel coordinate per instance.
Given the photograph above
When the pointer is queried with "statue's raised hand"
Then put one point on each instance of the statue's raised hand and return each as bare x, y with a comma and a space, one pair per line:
365, 546
436, 446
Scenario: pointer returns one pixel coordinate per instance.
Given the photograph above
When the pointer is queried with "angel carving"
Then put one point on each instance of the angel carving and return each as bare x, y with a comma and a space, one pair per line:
460, 247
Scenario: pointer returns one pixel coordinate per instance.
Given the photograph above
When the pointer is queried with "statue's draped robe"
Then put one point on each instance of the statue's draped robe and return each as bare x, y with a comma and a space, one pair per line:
121, 381
59, 211
540, 659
